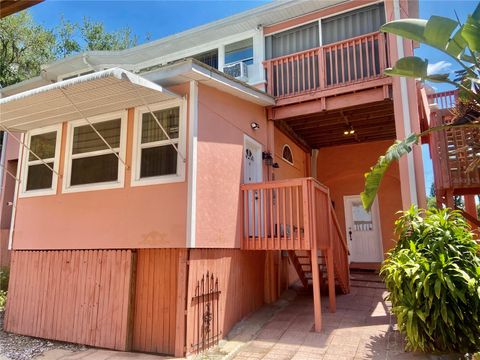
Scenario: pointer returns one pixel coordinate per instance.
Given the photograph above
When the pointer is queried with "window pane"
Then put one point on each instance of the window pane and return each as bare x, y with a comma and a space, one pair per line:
86, 140
158, 161
152, 132
43, 145
239, 51
94, 169
39, 177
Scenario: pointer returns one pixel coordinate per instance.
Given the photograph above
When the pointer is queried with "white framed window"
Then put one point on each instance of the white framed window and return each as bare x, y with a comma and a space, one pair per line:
155, 160
37, 178
287, 154
89, 163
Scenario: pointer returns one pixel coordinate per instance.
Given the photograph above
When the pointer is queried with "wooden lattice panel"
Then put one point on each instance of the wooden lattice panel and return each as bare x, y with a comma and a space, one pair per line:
463, 149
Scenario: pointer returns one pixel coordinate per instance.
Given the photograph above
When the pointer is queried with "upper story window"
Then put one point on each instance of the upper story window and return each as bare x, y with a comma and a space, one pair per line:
38, 178
91, 164
239, 51
354, 23
287, 154
210, 58
156, 159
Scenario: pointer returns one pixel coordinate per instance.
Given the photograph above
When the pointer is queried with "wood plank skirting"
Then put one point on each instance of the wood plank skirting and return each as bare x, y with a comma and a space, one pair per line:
74, 296
240, 277
154, 324
148, 300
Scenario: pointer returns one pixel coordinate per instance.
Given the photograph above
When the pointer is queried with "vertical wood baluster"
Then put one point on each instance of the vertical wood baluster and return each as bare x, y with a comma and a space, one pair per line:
272, 234
284, 217
299, 225
367, 57
292, 232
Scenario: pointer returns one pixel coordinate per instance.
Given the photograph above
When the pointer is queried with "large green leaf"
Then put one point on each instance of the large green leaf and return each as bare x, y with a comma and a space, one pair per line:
456, 45
471, 33
410, 66
412, 29
375, 176
438, 31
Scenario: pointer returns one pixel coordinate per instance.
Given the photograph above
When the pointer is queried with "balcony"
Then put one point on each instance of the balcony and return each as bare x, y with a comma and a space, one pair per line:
452, 151
295, 215
345, 66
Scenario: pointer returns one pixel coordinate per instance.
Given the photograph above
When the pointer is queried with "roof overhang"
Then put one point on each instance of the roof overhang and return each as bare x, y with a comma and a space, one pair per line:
9, 7
191, 69
85, 96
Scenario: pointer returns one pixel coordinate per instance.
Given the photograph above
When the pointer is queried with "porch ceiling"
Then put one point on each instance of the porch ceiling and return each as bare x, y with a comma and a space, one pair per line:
371, 122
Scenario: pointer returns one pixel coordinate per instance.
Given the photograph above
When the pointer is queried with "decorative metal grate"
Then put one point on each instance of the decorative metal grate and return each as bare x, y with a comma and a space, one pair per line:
207, 310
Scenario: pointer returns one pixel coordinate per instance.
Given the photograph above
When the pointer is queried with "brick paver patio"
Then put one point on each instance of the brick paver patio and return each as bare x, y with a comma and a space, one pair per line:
361, 328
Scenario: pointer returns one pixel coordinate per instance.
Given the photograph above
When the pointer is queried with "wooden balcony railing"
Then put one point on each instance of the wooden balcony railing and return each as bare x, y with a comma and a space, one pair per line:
343, 63
452, 151
294, 214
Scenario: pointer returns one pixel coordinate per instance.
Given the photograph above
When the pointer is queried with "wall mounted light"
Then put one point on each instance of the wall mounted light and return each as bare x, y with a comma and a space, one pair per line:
254, 126
267, 157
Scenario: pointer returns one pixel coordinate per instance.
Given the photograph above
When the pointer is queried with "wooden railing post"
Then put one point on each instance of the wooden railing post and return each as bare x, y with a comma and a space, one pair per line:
321, 69
317, 305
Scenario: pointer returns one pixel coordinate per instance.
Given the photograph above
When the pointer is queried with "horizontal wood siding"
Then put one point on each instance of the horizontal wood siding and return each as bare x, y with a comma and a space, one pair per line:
154, 328
241, 284
78, 296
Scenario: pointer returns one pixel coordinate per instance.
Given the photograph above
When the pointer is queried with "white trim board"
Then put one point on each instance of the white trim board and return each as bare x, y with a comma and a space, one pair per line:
192, 165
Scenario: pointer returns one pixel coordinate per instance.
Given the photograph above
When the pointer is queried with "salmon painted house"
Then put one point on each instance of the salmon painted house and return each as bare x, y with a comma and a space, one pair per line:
164, 192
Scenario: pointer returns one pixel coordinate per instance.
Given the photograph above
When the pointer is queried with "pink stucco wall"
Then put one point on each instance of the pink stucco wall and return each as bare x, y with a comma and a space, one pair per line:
222, 122
342, 169
132, 217
300, 158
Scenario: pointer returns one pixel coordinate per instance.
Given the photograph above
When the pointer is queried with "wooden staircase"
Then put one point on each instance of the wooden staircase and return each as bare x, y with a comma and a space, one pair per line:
301, 261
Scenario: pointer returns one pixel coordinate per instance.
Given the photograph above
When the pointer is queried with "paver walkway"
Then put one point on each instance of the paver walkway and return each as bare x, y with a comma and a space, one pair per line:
361, 328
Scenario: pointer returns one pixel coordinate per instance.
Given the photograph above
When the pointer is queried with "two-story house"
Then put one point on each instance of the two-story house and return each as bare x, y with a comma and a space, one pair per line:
163, 192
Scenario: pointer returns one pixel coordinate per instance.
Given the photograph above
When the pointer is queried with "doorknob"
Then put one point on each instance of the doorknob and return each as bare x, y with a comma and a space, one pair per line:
350, 234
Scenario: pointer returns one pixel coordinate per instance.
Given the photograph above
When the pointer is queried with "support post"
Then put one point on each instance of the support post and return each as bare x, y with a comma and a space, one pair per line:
317, 305
331, 281
470, 206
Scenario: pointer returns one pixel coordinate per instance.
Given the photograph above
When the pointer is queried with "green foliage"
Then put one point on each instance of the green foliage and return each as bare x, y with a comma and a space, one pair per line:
461, 42
3, 299
375, 176
4, 275
25, 45
433, 276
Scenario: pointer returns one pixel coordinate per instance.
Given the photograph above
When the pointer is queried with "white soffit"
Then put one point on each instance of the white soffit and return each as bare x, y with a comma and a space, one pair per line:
85, 96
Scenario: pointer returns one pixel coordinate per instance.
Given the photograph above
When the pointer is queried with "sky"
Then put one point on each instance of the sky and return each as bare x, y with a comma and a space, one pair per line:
156, 19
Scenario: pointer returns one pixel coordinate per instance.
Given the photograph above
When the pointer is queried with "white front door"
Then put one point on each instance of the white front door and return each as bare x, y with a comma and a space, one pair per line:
363, 231
252, 173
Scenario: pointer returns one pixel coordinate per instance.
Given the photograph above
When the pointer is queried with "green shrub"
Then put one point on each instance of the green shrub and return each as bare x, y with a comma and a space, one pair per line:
433, 276
4, 276
3, 299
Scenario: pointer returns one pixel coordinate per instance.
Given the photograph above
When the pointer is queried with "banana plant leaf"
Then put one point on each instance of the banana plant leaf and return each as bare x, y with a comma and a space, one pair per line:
415, 67
375, 176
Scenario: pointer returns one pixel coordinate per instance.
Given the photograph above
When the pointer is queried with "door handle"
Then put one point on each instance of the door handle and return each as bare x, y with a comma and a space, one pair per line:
350, 234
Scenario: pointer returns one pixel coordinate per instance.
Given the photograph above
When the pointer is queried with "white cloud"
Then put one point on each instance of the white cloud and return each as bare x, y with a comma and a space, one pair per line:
440, 67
